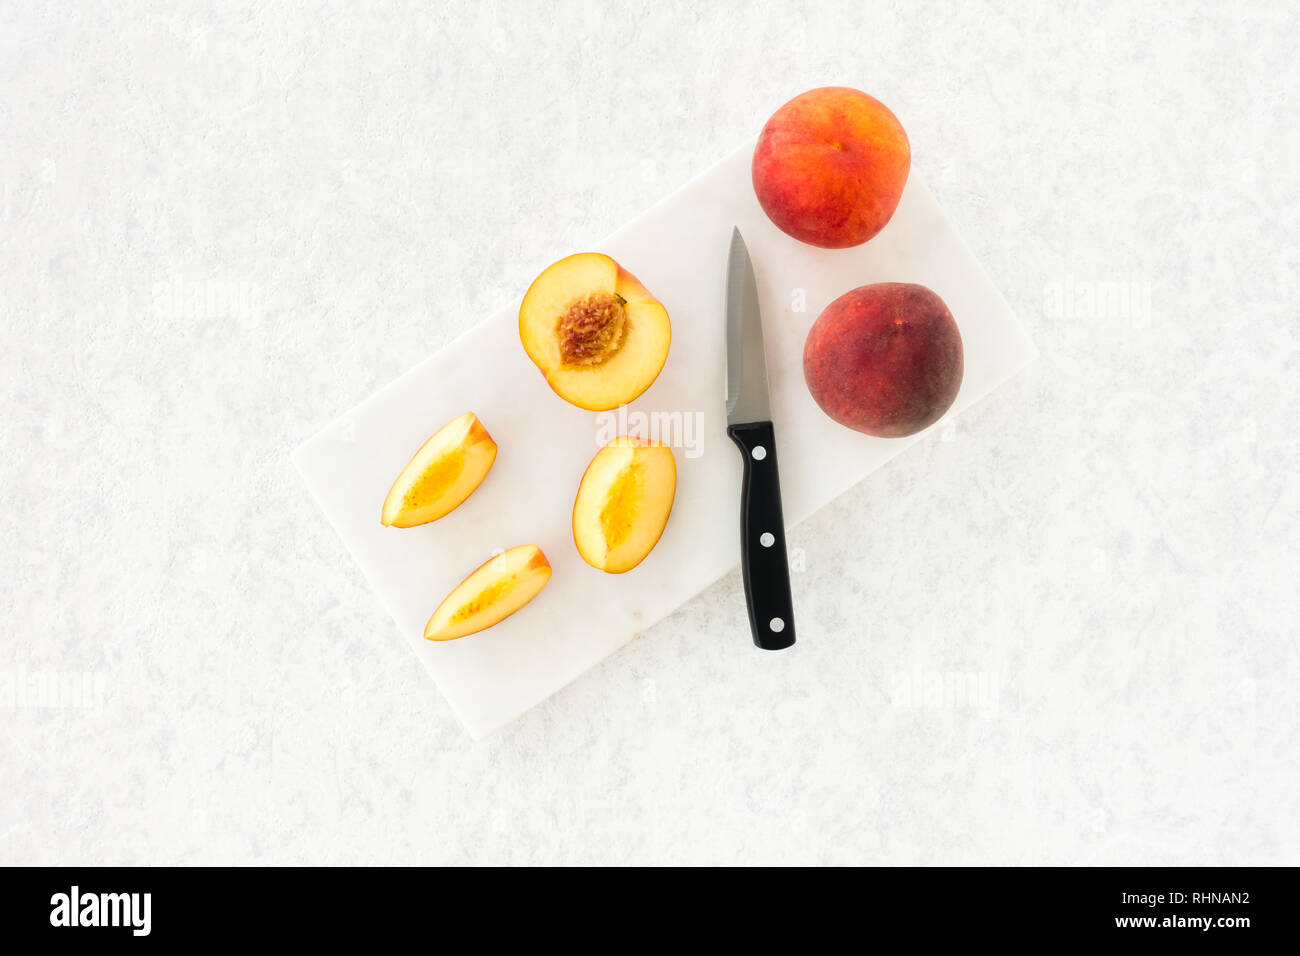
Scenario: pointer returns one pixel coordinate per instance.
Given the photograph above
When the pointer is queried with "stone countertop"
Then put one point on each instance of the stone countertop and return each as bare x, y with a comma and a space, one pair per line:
1062, 630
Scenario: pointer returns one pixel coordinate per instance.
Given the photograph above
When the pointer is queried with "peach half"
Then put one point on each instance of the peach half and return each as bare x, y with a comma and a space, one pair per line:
594, 331
623, 503
491, 594
443, 473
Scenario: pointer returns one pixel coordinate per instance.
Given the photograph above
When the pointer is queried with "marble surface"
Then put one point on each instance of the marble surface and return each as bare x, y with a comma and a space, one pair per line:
1062, 631
678, 248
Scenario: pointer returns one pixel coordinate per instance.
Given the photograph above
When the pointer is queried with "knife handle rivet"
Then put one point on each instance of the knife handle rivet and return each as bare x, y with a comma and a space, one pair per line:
759, 453
767, 539
777, 625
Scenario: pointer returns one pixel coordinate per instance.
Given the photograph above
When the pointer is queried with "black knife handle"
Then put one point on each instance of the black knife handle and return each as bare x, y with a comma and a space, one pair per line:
763, 562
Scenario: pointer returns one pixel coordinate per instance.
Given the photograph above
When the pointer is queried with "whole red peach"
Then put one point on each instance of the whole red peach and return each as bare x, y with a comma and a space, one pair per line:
884, 359
830, 167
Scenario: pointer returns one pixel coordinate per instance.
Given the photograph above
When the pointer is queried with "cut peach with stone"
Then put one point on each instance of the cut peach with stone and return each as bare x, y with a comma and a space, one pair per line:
443, 473
594, 331
491, 594
623, 503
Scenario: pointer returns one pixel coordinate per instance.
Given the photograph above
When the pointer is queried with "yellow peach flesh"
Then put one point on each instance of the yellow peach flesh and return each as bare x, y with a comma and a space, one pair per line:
623, 503
442, 474
493, 592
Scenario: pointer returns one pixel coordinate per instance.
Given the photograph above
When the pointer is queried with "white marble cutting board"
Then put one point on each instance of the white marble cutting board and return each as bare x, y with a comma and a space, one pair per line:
678, 249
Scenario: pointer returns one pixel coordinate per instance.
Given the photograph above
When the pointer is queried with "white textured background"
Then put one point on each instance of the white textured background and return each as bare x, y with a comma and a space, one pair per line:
1063, 632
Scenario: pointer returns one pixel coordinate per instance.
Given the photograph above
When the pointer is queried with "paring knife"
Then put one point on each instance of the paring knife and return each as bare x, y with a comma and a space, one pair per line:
763, 563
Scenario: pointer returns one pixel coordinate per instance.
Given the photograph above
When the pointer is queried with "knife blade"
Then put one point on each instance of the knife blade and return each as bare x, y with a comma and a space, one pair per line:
764, 567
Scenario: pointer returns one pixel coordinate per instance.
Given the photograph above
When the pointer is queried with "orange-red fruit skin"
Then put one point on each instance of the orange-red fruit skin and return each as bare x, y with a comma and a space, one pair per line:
830, 167
885, 359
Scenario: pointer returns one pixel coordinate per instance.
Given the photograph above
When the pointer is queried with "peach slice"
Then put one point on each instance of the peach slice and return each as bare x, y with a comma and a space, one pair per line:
623, 503
443, 473
594, 331
491, 594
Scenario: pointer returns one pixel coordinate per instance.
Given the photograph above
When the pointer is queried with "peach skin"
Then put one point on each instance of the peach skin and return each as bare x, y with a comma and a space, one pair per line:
830, 167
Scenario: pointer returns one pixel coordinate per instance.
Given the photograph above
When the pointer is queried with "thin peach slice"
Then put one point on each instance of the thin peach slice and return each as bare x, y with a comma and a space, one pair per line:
443, 473
491, 594
594, 331
623, 503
